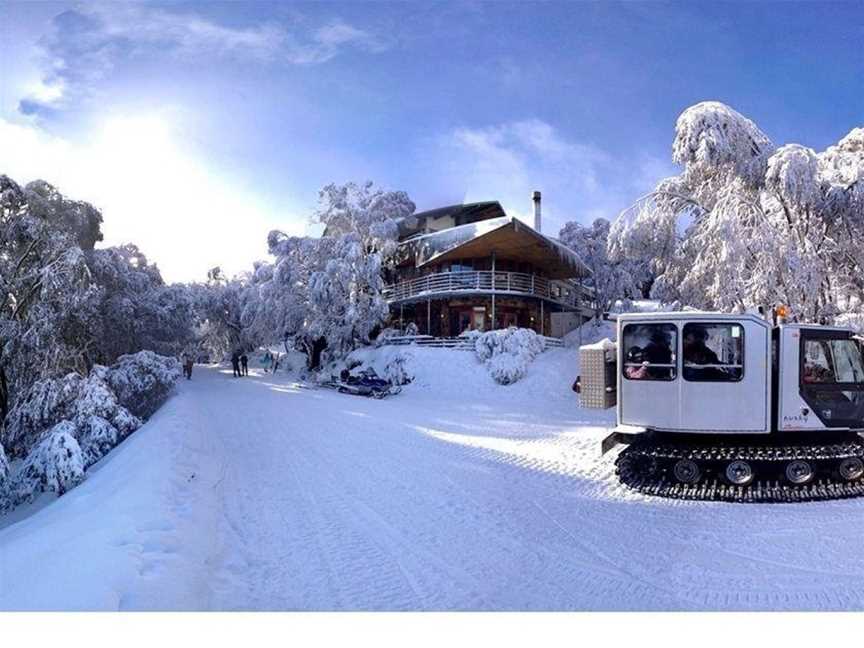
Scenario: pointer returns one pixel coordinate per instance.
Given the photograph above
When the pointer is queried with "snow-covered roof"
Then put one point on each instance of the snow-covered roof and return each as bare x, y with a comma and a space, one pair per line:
507, 236
462, 214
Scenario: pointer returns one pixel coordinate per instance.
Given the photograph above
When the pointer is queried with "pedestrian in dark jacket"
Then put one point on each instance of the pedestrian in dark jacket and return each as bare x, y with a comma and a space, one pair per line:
244, 360
235, 364
187, 365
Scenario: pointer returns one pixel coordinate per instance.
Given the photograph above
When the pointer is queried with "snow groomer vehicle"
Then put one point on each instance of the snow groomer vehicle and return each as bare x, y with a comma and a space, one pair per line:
732, 407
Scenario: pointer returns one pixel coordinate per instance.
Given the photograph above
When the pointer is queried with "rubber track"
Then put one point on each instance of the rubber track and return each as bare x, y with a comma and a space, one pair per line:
646, 467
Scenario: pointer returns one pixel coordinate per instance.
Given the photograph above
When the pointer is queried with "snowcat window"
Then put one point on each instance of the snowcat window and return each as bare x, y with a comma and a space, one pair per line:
649, 351
713, 352
831, 362
832, 378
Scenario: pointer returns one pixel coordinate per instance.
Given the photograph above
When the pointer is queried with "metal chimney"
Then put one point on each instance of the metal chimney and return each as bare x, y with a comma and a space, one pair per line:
537, 221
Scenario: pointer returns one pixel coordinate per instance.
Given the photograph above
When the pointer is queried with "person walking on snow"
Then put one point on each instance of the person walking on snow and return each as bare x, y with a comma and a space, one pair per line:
244, 361
187, 365
235, 364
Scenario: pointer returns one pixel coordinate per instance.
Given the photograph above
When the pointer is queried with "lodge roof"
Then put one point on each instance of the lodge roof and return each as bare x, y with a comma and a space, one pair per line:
508, 237
461, 214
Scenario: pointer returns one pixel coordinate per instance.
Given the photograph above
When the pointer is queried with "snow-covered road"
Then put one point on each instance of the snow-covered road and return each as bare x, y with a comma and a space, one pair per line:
260, 494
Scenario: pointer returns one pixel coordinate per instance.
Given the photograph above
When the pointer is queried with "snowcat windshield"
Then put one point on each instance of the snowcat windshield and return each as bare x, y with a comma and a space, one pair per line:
833, 361
832, 377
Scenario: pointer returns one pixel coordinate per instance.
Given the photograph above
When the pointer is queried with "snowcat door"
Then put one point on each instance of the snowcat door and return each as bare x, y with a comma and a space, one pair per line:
648, 375
726, 376
821, 380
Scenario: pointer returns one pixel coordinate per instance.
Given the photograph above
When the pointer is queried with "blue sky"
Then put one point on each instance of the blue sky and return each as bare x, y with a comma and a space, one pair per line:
198, 127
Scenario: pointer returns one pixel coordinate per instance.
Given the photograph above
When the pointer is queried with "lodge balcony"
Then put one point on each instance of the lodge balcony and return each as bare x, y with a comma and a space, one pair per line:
447, 284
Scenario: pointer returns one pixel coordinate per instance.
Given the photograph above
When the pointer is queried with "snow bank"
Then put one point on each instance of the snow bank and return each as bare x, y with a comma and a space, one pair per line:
451, 374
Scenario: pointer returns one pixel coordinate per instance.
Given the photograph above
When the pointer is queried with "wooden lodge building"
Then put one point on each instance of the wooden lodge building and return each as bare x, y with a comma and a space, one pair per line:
472, 266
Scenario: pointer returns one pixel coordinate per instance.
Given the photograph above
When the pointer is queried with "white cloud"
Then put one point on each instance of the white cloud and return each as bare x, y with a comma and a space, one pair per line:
183, 215
508, 161
86, 43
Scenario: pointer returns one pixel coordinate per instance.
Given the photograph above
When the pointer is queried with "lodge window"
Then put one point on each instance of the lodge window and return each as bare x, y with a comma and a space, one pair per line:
713, 352
649, 351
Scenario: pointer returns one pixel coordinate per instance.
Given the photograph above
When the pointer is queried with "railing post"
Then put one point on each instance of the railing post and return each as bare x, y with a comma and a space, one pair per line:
493, 290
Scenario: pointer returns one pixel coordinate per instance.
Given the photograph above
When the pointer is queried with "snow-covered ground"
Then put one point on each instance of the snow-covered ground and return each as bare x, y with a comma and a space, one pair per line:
458, 493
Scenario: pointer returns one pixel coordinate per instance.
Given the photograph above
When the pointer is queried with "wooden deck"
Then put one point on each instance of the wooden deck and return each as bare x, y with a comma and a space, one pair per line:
445, 284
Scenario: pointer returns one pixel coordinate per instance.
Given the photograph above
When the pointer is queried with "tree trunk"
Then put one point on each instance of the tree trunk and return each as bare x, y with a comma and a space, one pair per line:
315, 352
4, 396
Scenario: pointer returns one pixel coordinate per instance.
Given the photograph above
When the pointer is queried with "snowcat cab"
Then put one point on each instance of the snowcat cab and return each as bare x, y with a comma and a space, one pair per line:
734, 407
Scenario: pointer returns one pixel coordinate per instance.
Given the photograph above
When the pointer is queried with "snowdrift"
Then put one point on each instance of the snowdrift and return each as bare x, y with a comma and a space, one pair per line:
447, 374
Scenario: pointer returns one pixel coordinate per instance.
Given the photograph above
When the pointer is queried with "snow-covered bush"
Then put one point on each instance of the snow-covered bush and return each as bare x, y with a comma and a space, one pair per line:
396, 370
55, 465
62, 426
96, 436
44, 405
514, 341
508, 352
142, 381
100, 420
506, 369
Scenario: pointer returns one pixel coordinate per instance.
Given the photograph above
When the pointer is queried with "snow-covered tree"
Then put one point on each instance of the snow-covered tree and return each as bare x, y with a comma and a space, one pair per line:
46, 291
64, 307
327, 293
611, 279
135, 310
747, 223
227, 310
369, 212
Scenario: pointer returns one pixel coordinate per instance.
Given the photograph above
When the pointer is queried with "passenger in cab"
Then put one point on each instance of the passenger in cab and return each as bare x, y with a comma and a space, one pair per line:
636, 367
697, 354
658, 351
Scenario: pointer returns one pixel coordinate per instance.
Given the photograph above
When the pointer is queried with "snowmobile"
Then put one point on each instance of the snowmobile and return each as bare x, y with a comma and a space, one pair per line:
367, 383
731, 407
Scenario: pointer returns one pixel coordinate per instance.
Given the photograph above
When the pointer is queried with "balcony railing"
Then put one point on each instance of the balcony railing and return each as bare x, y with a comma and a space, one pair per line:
481, 281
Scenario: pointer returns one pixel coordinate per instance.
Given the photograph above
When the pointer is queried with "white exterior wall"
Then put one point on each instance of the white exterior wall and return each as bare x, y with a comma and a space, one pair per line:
701, 407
